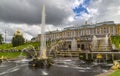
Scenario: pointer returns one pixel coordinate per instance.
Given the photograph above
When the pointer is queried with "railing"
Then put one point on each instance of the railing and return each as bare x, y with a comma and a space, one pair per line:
68, 53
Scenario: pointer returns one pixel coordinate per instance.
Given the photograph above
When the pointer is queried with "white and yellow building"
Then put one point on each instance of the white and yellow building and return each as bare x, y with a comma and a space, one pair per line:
82, 34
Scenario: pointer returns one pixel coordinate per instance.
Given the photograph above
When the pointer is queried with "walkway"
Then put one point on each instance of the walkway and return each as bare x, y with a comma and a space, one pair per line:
106, 73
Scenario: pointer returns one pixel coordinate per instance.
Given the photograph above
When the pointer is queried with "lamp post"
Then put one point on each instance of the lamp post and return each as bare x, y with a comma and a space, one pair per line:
5, 36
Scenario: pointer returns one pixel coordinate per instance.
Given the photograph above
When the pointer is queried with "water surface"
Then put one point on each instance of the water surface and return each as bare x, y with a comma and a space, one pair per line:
62, 67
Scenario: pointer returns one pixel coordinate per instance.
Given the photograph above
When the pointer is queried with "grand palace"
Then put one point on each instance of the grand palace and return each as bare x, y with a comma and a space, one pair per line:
80, 37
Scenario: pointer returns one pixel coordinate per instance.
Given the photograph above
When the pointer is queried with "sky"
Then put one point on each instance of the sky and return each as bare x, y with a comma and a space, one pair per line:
26, 15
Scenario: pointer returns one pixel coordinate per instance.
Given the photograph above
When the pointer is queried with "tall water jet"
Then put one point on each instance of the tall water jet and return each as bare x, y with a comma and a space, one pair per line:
106, 42
43, 37
74, 45
113, 46
94, 42
41, 60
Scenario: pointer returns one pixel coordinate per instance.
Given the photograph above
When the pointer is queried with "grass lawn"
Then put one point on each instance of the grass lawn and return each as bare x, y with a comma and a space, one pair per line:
6, 46
116, 73
25, 45
10, 55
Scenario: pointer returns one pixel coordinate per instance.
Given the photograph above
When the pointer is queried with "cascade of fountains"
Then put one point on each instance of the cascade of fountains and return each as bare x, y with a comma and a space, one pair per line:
101, 43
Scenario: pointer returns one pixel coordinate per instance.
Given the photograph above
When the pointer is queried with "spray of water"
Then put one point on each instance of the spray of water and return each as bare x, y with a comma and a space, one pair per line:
43, 36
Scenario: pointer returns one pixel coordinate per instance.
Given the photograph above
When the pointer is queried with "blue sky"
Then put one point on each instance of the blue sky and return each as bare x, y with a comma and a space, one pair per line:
81, 8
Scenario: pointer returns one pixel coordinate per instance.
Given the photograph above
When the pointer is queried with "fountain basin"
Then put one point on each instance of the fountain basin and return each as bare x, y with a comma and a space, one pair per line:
41, 63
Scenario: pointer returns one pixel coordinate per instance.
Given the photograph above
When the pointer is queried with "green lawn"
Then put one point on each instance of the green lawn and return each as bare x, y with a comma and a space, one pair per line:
116, 73
5, 46
8, 46
11, 54
7, 54
26, 45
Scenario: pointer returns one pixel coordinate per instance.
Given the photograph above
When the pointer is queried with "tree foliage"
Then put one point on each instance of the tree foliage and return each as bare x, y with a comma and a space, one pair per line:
1, 39
116, 41
17, 40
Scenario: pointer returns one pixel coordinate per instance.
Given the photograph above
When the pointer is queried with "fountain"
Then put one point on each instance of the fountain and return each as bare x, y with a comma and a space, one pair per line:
101, 43
74, 43
21, 55
43, 37
106, 42
31, 52
113, 46
116, 65
41, 60
94, 42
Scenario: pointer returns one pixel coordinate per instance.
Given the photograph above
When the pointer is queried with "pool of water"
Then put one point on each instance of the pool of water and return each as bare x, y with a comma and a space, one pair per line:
62, 67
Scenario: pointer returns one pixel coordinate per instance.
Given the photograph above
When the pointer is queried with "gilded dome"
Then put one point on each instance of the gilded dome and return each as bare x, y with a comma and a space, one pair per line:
18, 32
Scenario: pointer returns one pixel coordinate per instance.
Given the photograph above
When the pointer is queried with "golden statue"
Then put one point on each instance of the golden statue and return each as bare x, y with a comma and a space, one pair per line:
116, 65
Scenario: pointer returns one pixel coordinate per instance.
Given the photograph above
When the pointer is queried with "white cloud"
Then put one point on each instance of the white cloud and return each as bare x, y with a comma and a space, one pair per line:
70, 19
29, 31
101, 10
27, 36
76, 3
105, 10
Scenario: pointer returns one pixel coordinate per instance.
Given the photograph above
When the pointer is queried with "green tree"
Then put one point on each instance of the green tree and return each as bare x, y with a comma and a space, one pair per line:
18, 40
1, 39
116, 41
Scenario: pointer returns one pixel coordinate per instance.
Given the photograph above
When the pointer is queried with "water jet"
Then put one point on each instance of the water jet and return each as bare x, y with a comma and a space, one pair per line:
41, 60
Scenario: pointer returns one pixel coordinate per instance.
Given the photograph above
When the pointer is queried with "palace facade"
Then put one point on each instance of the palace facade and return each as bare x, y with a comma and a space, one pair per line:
80, 37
